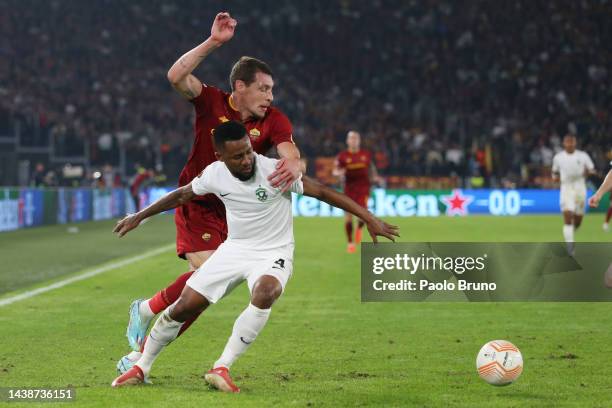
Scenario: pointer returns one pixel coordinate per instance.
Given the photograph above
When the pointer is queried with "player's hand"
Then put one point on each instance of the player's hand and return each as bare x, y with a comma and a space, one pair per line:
379, 228
594, 201
223, 28
287, 171
127, 224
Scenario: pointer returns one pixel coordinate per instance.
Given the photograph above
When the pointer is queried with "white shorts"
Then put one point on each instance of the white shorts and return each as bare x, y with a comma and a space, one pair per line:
573, 197
230, 264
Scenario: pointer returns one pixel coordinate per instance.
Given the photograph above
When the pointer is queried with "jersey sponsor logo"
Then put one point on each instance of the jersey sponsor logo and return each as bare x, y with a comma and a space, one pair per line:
206, 236
255, 133
261, 194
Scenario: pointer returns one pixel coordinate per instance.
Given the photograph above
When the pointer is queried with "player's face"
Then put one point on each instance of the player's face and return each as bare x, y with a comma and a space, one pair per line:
353, 141
258, 95
569, 144
239, 158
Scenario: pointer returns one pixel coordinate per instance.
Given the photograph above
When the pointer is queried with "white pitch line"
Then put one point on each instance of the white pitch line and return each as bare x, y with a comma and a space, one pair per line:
84, 275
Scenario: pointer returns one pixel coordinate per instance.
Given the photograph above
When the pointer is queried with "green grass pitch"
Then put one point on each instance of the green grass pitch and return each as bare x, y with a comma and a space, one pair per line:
321, 347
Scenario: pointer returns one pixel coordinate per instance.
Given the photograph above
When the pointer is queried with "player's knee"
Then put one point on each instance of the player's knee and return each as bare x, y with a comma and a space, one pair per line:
265, 293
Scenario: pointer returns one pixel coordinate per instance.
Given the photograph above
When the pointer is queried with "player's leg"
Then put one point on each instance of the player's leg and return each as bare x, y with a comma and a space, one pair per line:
217, 277
164, 331
199, 232
266, 287
142, 311
363, 201
348, 228
246, 328
577, 221
568, 228
606, 224
136, 200
568, 207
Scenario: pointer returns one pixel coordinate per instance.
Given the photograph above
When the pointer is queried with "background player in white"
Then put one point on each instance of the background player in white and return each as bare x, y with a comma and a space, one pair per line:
572, 166
259, 248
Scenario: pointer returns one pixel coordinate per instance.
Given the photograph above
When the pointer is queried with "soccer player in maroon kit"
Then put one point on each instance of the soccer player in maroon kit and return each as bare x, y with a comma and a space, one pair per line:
200, 224
356, 168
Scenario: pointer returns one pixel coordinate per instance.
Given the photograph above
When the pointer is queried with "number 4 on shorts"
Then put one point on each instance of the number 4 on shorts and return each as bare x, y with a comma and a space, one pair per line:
280, 262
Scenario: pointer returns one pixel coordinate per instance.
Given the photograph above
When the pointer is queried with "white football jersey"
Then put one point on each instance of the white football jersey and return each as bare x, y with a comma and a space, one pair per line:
572, 166
258, 215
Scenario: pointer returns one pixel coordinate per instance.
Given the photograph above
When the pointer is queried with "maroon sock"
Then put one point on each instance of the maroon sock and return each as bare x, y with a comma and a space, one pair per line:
609, 214
188, 323
348, 226
169, 295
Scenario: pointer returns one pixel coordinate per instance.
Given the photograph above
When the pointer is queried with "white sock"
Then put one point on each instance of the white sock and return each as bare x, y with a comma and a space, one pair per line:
246, 328
145, 310
568, 233
163, 332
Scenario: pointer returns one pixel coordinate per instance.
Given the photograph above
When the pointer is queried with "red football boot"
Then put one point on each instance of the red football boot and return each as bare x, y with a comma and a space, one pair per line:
220, 379
133, 376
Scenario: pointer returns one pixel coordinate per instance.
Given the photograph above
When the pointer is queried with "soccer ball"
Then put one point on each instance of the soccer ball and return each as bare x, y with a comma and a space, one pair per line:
499, 362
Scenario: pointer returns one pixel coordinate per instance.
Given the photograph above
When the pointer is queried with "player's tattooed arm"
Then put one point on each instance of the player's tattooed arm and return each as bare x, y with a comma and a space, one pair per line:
180, 74
376, 227
171, 200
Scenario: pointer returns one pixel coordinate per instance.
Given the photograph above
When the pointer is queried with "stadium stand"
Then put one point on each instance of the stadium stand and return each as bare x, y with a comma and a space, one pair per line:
438, 88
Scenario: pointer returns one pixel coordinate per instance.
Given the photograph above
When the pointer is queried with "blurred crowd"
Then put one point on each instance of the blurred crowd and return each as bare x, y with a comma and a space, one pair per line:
437, 87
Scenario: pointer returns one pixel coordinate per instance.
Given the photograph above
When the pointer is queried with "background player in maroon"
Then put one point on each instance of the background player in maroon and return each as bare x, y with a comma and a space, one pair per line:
200, 224
356, 168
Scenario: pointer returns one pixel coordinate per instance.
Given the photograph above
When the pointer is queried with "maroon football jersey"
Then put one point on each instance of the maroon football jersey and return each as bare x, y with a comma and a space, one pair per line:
213, 107
357, 167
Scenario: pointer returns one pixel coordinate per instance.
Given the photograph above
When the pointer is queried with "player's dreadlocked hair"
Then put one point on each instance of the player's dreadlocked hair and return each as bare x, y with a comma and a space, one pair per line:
227, 132
245, 69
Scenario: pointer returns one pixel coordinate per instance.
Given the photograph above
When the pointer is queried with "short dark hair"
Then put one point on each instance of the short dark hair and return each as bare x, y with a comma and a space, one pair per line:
245, 69
227, 132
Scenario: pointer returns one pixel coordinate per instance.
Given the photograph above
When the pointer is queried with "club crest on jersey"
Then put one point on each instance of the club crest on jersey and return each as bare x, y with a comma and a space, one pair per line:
223, 119
206, 236
255, 133
261, 194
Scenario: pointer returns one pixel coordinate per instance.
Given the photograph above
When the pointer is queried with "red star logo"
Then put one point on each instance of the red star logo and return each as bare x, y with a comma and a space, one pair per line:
457, 203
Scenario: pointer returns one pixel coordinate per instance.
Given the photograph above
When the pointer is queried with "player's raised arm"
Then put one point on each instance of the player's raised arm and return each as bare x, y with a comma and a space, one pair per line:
376, 227
171, 200
180, 74
603, 189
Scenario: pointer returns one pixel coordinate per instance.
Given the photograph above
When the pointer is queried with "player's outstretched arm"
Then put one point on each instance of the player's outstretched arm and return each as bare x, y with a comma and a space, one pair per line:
376, 227
180, 75
603, 189
171, 200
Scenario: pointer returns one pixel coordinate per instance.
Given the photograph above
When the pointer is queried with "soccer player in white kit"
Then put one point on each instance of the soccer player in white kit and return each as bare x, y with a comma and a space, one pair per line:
259, 248
572, 166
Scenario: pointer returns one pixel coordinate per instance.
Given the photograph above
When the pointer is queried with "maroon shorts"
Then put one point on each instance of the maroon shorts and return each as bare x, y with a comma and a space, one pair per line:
200, 226
359, 195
